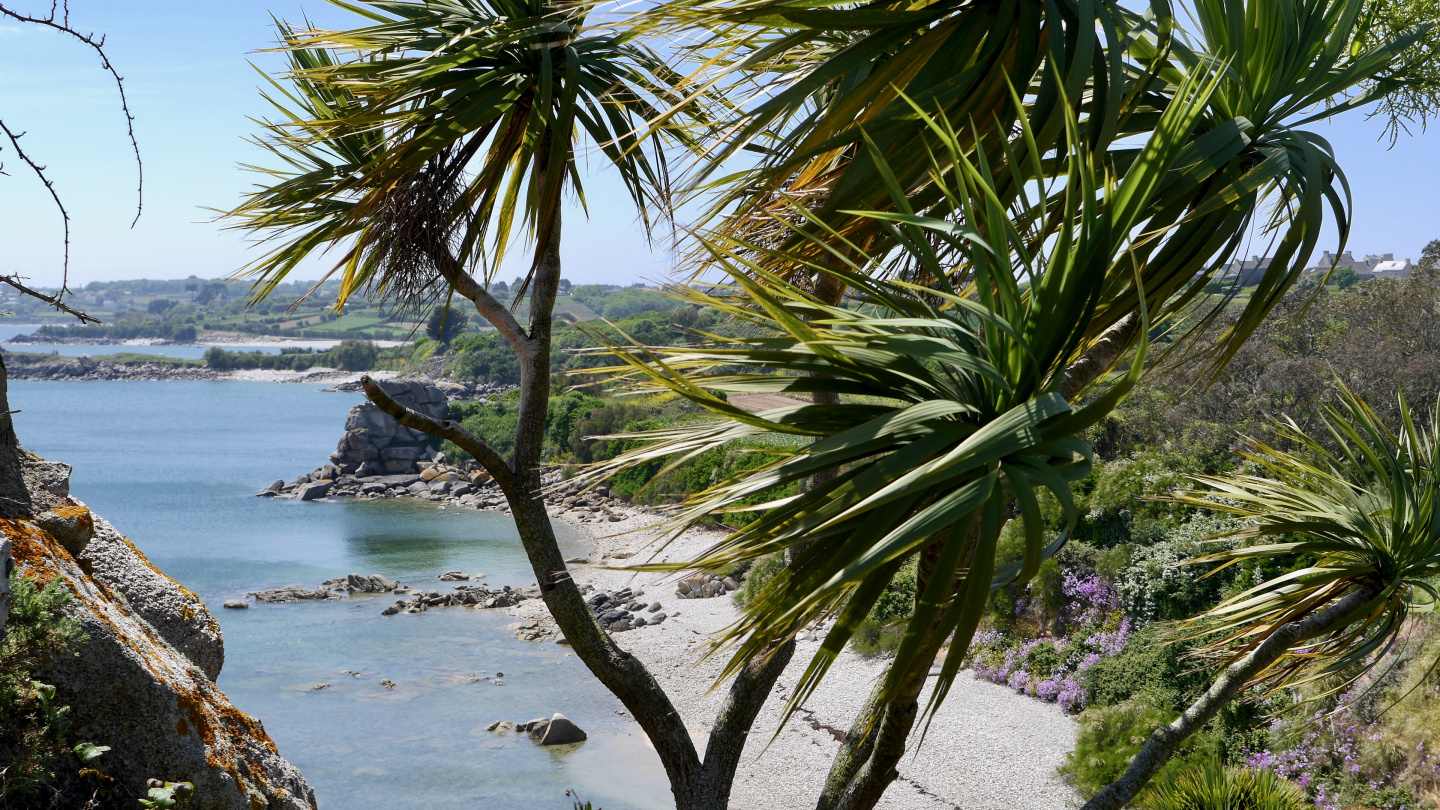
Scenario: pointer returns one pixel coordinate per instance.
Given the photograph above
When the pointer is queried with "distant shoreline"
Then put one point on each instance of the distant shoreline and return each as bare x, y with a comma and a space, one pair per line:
207, 339
85, 369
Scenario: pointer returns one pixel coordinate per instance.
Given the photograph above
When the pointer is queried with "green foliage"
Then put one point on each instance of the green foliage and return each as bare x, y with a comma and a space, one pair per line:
495, 421
486, 357
1109, 737
1149, 669
616, 303
32, 725
354, 355
1344, 277
1158, 585
761, 573
1215, 787
882, 629
168, 795
447, 322
351, 355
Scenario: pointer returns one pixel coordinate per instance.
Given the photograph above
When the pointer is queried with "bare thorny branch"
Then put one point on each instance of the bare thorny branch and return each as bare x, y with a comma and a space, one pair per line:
59, 20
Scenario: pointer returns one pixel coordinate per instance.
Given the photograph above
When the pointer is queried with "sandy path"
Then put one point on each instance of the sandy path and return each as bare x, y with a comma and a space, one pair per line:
988, 747
756, 403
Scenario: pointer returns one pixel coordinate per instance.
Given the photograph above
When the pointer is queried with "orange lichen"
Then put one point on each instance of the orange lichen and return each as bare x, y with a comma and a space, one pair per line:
77, 512
33, 550
220, 726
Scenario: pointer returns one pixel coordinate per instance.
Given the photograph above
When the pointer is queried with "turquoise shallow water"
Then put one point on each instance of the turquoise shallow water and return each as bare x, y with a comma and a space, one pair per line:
175, 465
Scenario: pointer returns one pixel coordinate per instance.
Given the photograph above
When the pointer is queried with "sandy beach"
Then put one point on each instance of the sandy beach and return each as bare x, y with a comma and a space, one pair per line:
988, 747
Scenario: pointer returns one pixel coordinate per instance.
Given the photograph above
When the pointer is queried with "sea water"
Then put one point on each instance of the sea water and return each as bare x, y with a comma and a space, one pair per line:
176, 465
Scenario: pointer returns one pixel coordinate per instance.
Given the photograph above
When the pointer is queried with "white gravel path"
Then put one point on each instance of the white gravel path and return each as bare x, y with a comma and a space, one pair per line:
988, 747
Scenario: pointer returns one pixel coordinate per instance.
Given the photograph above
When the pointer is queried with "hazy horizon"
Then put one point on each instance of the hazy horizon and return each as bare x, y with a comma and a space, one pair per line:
191, 90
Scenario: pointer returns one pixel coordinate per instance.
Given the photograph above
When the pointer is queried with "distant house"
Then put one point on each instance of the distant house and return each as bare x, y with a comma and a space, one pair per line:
1374, 265
1249, 271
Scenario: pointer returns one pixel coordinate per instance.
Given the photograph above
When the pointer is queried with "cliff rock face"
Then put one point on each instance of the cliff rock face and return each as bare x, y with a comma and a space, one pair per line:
143, 682
375, 444
171, 609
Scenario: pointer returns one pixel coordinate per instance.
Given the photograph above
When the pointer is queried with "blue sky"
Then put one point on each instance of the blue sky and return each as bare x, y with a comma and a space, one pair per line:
191, 89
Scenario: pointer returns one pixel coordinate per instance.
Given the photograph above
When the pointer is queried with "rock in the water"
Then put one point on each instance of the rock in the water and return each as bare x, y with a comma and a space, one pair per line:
560, 731
72, 525
313, 490
291, 593
374, 583
454, 576
133, 690
237, 604
273, 490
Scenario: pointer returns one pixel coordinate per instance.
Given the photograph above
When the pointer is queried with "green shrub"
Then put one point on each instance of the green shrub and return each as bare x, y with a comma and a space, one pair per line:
759, 576
32, 725
883, 627
1109, 737
354, 355
1215, 787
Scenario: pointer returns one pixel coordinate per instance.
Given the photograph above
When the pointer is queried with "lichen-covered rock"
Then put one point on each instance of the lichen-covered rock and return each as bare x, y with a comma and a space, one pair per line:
131, 689
176, 614
71, 524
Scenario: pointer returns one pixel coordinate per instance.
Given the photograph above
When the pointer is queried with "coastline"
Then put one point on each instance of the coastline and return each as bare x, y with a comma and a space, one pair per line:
987, 747
218, 338
83, 369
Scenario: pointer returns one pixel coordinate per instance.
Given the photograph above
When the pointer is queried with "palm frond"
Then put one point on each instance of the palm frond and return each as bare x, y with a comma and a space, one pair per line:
1359, 505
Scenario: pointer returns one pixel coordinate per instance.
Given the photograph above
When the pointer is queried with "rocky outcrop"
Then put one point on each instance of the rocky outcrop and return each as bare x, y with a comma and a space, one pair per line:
176, 614
54, 367
375, 444
142, 682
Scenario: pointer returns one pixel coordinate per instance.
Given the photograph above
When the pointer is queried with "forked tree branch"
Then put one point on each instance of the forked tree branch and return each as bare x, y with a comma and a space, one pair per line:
52, 300
59, 20
492, 461
489, 308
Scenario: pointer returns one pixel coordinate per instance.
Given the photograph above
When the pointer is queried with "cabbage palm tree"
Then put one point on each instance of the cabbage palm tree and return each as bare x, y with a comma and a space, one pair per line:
1360, 505
419, 144
986, 223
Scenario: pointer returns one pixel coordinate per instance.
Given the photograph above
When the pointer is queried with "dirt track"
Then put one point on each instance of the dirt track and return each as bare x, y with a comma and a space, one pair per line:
755, 403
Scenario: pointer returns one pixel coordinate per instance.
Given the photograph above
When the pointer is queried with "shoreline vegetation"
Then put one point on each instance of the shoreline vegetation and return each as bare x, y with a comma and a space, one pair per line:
1083, 645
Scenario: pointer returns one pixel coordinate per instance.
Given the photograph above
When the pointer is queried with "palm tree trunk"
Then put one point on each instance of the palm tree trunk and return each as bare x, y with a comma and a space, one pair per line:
1167, 739
696, 784
867, 762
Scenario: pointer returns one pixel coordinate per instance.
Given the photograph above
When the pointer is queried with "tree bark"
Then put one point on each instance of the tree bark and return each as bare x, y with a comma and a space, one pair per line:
1163, 743
868, 760
696, 784
1102, 356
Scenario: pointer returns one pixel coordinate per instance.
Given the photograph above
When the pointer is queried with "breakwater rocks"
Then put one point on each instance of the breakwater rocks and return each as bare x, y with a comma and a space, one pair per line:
622, 610
54, 367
